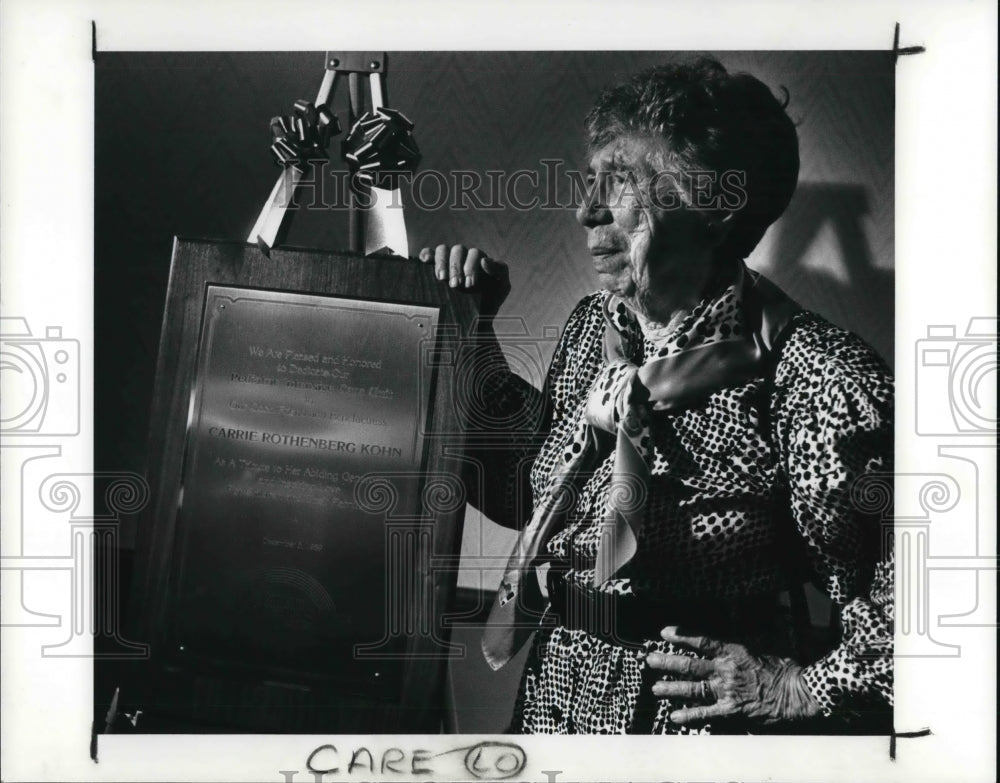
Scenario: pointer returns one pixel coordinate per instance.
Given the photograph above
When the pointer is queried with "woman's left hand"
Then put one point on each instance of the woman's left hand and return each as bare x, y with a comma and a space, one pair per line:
731, 681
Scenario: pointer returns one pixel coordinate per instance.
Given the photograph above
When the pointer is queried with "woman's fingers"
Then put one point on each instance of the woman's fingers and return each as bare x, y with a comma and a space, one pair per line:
700, 713
681, 665
441, 262
456, 266
495, 269
471, 268
731, 681
492, 267
462, 267
685, 689
703, 644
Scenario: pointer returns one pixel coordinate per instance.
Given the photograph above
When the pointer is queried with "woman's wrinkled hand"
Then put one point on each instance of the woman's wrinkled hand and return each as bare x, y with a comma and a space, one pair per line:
463, 267
730, 681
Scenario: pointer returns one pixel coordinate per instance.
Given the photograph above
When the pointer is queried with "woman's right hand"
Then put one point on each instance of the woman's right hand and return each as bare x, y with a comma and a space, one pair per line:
470, 268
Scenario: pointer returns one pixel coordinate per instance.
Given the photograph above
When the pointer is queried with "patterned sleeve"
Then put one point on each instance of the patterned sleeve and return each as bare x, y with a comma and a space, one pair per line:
836, 425
511, 420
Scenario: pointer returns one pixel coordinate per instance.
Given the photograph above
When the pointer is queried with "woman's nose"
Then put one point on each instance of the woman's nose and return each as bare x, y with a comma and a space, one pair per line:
593, 210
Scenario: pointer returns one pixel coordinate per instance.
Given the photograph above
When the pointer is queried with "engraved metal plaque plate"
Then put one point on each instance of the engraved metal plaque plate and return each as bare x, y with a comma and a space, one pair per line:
297, 398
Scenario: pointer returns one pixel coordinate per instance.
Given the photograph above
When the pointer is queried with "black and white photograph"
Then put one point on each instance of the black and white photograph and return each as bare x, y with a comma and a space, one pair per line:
439, 398
625, 202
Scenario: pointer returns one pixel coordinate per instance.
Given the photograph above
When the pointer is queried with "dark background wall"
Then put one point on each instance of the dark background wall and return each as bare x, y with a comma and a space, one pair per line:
182, 149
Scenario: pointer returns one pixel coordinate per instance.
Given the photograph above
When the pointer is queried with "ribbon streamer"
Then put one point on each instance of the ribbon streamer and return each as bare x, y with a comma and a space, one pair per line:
304, 135
380, 144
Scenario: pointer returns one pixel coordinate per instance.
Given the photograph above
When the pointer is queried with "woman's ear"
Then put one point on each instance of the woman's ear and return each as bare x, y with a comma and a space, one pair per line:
717, 226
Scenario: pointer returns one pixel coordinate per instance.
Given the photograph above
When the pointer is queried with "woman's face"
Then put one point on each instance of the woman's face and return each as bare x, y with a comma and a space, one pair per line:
653, 252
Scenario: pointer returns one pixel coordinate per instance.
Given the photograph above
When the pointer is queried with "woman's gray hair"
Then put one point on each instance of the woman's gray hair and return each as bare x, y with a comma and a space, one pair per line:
713, 121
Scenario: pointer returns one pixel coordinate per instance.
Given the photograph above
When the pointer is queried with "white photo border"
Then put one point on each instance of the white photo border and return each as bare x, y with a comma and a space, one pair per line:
946, 146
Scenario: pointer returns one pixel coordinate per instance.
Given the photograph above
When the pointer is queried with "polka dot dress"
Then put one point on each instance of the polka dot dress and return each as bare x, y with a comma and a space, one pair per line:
750, 474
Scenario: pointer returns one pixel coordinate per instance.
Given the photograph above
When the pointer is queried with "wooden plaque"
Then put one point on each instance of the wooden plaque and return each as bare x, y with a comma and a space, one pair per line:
304, 459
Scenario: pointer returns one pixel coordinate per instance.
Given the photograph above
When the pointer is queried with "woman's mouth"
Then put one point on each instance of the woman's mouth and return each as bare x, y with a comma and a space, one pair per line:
604, 259
602, 250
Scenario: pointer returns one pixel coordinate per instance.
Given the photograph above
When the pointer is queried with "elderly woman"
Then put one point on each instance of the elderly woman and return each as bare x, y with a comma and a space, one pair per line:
699, 436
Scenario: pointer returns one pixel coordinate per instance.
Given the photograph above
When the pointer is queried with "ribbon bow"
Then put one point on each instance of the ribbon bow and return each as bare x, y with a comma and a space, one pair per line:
380, 143
304, 135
